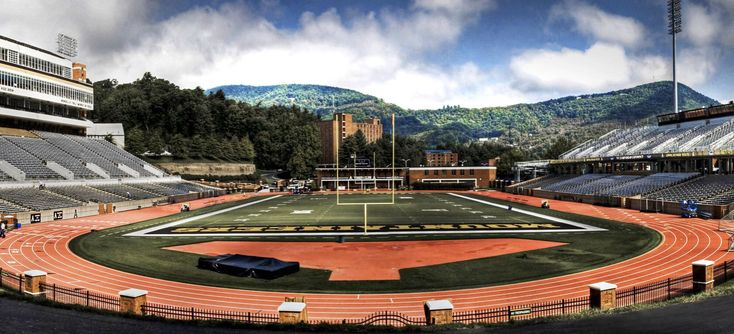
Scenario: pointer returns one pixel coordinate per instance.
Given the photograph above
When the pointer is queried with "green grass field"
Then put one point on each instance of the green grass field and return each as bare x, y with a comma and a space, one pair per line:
584, 250
415, 209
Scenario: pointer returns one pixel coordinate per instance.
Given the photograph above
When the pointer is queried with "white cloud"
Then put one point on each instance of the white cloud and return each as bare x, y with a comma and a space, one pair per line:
377, 53
600, 25
601, 67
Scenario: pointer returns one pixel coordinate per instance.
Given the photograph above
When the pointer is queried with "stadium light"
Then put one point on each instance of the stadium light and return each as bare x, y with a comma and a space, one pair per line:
675, 23
67, 45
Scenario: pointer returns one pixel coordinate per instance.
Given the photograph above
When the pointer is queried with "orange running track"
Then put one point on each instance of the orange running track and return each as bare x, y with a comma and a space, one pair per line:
46, 247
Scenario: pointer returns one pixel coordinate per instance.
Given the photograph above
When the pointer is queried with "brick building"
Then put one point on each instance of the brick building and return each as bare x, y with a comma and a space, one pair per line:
480, 176
341, 126
441, 158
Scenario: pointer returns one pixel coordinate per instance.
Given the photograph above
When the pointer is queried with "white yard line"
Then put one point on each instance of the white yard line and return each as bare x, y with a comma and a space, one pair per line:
534, 214
144, 232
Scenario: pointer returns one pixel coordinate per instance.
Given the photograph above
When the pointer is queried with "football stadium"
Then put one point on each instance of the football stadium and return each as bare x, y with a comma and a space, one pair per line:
641, 214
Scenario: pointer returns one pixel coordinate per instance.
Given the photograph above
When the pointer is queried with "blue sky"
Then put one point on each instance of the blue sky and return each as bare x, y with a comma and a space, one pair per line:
417, 54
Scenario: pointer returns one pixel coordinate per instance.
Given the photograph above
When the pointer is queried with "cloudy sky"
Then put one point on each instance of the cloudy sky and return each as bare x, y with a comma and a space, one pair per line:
417, 54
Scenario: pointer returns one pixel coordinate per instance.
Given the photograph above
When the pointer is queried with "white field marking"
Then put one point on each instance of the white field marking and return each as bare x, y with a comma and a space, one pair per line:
457, 205
301, 212
10, 262
280, 204
272, 207
313, 235
241, 220
475, 212
465, 208
317, 198
195, 218
254, 215
434, 210
264, 210
406, 197
584, 227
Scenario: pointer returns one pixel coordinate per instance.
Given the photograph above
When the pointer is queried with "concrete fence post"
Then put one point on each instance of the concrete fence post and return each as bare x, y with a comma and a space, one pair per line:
439, 312
132, 300
292, 312
703, 275
32, 282
603, 296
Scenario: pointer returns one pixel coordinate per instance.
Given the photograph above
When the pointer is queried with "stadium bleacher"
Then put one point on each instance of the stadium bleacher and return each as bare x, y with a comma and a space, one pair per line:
126, 191
66, 144
47, 152
36, 199
646, 184
706, 189
86, 194
26, 162
685, 137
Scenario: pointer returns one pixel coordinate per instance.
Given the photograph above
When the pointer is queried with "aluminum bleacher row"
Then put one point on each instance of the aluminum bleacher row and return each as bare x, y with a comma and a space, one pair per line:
609, 184
45, 171
709, 189
692, 136
64, 196
78, 155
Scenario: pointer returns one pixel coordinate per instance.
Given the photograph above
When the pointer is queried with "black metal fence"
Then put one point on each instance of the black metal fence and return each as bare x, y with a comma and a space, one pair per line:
82, 297
383, 318
11, 280
653, 292
524, 312
191, 313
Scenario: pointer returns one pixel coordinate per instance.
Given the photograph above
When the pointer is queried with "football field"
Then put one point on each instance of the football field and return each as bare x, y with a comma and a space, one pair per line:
411, 213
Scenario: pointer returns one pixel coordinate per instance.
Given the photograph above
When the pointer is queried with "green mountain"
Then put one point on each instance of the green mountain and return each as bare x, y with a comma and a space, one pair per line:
575, 117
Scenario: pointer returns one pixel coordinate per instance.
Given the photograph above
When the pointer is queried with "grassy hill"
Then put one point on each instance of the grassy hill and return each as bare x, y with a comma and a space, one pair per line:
575, 117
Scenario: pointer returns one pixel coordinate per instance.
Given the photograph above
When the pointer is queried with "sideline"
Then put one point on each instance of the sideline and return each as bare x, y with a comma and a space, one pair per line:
144, 233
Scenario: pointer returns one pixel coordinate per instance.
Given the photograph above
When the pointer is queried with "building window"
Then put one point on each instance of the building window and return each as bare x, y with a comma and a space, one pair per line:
471, 172
425, 172
453, 172
462, 172
435, 172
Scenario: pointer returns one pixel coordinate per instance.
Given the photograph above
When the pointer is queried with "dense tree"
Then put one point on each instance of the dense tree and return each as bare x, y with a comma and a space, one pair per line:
135, 141
158, 116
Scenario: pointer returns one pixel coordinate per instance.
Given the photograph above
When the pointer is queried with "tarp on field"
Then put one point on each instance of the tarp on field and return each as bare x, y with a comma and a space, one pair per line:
248, 266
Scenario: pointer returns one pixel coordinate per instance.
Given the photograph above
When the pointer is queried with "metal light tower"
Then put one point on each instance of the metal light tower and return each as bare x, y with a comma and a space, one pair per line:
674, 27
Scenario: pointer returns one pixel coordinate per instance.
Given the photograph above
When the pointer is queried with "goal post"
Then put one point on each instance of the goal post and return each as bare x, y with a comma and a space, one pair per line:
391, 181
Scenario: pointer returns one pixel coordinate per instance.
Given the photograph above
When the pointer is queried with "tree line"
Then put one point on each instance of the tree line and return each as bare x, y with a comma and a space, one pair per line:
158, 117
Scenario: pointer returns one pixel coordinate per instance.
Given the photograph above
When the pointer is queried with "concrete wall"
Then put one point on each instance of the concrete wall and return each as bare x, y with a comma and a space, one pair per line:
201, 168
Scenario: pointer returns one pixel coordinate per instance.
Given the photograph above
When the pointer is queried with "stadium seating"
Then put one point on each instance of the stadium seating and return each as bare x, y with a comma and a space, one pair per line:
7, 207
66, 144
159, 189
567, 185
112, 153
47, 152
540, 183
188, 187
36, 199
646, 184
684, 137
596, 186
126, 191
703, 190
87, 194
29, 164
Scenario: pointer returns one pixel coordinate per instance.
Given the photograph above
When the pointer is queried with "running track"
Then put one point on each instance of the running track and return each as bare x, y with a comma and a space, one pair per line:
45, 247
